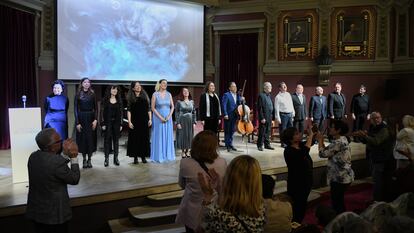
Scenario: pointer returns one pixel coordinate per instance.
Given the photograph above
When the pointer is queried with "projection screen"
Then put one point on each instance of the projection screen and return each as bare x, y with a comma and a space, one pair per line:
125, 40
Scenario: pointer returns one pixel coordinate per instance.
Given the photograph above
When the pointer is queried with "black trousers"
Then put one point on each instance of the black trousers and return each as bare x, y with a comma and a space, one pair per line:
211, 124
299, 125
264, 133
300, 200
51, 228
112, 134
359, 121
338, 196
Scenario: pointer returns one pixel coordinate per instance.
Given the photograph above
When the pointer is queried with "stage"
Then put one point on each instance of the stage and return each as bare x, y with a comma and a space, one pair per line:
103, 184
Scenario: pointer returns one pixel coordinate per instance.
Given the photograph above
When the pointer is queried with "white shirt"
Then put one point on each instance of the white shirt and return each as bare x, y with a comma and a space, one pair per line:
234, 97
283, 103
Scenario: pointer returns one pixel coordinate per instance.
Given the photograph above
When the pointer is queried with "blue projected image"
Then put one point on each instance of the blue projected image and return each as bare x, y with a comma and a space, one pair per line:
130, 40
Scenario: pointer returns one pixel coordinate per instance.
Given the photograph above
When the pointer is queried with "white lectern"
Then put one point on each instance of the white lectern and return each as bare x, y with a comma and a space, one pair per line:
24, 123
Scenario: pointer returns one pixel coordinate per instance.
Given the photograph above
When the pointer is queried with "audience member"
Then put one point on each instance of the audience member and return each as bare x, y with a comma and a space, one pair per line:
357, 225
278, 212
338, 223
48, 204
378, 213
404, 146
404, 204
239, 206
203, 157
300, 169
380, 143
398, 224
340, 174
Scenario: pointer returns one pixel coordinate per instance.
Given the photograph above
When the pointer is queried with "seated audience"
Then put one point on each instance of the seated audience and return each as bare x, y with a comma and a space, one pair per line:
48, 204
398, 224
337, 224
404, 205
239, 205
378, 213
357, 225
300, 166
203, 157
278, 213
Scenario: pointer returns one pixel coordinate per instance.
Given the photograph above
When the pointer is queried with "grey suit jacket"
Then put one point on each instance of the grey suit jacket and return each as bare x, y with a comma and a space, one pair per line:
48, 198
301, 112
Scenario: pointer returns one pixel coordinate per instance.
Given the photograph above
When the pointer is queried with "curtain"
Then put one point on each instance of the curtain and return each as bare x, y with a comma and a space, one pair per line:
238, 62
17, 65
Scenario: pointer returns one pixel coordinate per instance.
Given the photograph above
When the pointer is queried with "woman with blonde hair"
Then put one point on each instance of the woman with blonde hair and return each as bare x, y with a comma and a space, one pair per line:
239, 205
404, 146
162, 139
204, 156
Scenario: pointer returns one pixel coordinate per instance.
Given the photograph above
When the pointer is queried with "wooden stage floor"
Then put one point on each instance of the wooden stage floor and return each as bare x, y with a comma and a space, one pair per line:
129, 180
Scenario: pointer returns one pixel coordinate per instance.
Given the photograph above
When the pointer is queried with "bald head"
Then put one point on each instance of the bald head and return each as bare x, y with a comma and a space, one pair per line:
319, 90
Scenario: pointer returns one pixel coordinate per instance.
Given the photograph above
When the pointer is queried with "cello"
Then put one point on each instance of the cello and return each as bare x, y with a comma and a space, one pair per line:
244, 124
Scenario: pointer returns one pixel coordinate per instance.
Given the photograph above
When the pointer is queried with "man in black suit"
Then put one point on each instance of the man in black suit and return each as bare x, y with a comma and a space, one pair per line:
265, 111
48, 204
360, 107
337, 103
299, 104
318, 109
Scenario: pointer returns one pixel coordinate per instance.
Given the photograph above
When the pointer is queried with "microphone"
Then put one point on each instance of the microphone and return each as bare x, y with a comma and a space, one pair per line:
24, 98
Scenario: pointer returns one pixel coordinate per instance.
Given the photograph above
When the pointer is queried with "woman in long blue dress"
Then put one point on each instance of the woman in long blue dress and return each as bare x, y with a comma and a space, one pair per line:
56, 108
162, 139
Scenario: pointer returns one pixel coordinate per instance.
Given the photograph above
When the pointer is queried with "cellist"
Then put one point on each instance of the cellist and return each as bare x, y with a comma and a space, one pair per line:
230, 101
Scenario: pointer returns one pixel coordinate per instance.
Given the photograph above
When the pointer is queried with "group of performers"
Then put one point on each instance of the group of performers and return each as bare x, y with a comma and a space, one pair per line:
155, 115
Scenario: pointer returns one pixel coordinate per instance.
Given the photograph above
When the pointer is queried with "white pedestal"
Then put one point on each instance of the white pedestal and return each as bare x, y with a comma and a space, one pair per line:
25, 124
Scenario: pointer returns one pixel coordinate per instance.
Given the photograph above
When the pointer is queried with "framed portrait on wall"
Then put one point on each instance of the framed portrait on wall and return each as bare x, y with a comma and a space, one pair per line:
298, 35
354, 32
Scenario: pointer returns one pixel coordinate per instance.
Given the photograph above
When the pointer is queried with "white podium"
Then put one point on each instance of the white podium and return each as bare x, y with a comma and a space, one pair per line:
24, 124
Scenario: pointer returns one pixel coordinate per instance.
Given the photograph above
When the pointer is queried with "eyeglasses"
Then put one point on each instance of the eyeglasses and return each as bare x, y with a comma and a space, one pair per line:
55, 142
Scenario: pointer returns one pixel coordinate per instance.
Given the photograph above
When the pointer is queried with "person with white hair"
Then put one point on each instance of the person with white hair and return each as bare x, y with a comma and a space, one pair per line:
404, 146
265, 111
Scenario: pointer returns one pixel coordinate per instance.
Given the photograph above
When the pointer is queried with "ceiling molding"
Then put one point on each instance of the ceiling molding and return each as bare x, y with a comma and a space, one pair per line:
26, 5
239, 25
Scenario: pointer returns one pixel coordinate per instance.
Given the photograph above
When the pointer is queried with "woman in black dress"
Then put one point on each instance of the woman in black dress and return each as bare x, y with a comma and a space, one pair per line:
210, 109
139, 122
85, 118
300, 166
111, 122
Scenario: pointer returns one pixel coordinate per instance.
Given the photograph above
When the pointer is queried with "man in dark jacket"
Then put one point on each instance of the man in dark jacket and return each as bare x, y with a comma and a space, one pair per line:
301, 112
360, 107
380, 143
265, 111
48, 204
